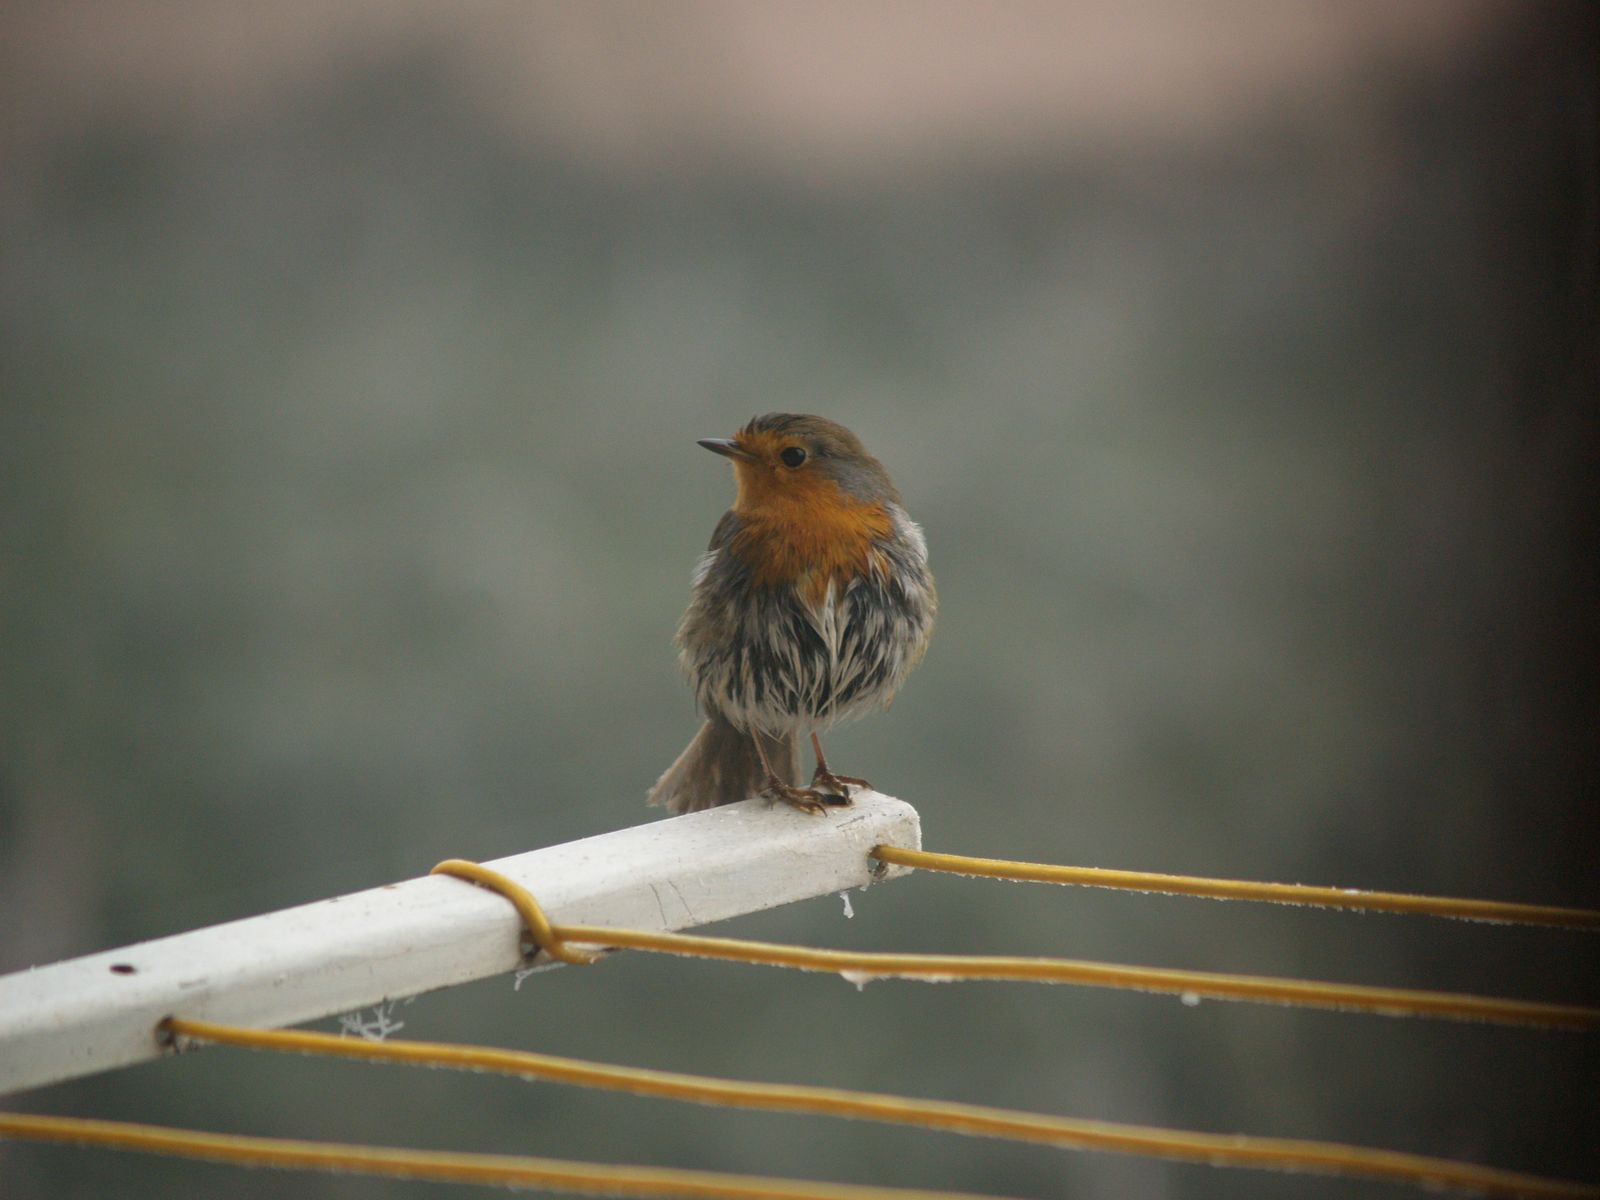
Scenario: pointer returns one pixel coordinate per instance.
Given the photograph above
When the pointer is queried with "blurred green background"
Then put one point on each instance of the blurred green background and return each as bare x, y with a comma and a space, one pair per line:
1239, 360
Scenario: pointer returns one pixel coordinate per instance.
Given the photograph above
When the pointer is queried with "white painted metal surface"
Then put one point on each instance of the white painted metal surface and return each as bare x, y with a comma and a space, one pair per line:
94, 1013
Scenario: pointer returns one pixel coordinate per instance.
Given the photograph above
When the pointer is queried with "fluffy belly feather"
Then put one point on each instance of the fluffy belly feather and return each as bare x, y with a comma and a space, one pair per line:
784, 664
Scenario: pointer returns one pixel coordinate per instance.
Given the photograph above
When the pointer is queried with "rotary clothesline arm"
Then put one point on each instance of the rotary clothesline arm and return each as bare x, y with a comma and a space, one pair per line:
102, 1011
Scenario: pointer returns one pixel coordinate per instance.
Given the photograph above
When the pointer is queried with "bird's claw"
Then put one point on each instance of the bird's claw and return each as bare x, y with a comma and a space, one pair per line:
807, 800
838, 785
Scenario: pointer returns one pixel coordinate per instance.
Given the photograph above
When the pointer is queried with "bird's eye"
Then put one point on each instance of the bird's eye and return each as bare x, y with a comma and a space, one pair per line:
793, 456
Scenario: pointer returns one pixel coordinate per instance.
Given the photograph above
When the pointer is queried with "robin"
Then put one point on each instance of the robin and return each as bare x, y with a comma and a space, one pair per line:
810, 607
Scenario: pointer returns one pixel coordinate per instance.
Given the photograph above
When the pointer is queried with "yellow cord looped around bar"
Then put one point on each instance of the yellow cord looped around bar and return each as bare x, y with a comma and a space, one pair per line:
539, 928
1263, 1153
860, 967
443, 1166
1502, 912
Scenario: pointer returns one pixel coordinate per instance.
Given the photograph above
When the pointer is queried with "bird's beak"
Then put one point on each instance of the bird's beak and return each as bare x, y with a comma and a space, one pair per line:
726, 447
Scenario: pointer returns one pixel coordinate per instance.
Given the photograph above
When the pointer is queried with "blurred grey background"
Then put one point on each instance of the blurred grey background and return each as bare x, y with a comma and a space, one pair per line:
1238, 358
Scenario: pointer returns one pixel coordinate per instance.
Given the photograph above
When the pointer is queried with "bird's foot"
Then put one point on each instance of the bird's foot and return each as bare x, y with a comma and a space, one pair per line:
839, 786
807, 800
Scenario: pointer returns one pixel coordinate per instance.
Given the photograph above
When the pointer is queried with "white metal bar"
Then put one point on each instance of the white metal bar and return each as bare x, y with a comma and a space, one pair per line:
101, 1011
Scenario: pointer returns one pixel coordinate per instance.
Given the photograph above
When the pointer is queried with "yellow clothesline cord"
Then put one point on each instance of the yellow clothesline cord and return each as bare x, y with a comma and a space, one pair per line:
1240, 889
503, 1170
1265, 1153
861, 967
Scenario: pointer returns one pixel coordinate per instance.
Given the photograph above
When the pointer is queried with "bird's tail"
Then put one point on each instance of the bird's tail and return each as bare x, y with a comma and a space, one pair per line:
720, 766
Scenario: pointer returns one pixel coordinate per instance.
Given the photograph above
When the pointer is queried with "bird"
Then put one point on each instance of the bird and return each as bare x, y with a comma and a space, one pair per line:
810, 606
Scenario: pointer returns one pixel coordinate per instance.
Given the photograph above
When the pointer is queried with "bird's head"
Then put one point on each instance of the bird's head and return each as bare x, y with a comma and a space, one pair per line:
783, 460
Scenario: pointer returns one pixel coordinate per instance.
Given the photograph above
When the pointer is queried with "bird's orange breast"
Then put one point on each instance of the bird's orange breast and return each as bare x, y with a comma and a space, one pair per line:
806, 533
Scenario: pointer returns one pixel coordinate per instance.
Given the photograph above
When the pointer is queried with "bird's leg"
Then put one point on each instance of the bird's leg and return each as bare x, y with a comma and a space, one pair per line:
839, 785
807, 800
